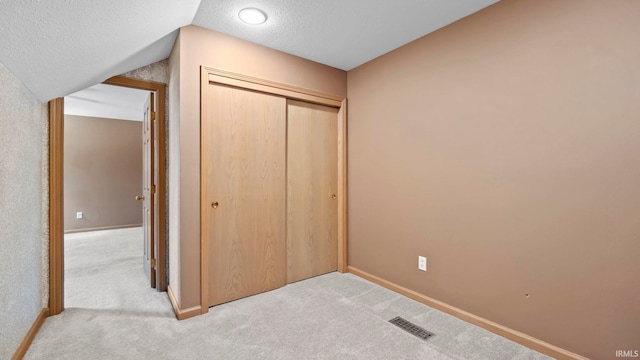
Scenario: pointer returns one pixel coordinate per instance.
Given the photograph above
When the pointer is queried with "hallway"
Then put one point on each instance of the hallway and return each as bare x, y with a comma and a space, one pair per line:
103, 271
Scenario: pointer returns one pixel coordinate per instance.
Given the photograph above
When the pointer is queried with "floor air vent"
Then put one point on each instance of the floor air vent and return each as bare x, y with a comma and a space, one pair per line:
412, 328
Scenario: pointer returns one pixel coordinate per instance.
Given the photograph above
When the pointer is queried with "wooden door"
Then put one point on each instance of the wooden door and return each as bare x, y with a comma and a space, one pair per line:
244, 150
147, 190
155, 207
312, 188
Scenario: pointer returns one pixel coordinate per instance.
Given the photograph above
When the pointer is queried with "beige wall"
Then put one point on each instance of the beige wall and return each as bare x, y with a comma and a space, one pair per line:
173, 170
102, 172
23, 211
204, 47
506, 148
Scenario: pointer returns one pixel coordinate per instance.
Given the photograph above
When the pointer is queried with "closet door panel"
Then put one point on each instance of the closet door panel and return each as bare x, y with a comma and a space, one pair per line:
246, 188
312, 186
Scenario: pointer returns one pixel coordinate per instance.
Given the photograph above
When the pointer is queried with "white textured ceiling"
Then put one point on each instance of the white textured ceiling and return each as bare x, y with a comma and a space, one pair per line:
57, 47
107, 101
338, 33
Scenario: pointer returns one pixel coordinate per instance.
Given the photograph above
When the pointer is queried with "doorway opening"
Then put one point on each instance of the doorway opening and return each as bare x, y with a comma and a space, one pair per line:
152, 193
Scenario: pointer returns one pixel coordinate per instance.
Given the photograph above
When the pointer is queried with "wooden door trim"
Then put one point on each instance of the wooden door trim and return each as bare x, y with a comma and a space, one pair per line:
342, 187
213, 75
56, 187
270, 87
56, 206
160, 208
204, 228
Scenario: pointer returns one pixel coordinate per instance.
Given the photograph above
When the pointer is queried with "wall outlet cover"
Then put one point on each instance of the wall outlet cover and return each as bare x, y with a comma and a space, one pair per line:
422, 263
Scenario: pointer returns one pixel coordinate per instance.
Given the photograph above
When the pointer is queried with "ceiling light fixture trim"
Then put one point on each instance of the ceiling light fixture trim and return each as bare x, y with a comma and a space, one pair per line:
252, 16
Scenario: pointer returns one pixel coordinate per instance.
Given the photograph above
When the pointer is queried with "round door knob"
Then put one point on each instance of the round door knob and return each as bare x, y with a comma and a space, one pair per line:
214, 204
139, 197
333, 197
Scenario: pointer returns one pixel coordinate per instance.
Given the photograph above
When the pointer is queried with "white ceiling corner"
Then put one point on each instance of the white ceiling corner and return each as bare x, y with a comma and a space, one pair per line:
107, 101
57, 47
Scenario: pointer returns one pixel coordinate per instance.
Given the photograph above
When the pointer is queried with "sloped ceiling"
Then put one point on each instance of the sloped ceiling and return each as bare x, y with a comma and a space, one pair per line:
56, 47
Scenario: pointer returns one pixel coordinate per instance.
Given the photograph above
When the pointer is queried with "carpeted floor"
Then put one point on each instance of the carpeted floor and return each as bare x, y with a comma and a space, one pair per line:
111, 313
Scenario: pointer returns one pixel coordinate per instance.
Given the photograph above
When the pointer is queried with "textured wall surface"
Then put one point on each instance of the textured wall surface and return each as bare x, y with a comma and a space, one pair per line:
505, 148
22, 233
45, 207
158, 72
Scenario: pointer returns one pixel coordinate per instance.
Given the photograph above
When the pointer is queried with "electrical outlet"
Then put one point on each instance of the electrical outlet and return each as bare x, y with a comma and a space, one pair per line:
422, 263
79, 215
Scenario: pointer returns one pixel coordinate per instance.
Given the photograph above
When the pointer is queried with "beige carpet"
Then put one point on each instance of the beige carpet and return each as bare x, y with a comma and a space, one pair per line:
112, 314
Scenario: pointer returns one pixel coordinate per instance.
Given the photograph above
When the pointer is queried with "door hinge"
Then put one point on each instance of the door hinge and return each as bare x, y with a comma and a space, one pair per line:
153, 189
153, 264
153, 116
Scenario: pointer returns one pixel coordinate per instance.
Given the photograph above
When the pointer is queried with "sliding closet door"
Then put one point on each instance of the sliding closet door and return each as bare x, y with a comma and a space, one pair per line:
312, 188
245, 171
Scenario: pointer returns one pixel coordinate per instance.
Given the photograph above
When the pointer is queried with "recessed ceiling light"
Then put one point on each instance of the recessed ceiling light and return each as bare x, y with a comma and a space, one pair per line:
252, 16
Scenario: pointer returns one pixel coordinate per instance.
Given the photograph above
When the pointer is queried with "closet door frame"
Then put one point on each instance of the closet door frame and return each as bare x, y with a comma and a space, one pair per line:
217, 76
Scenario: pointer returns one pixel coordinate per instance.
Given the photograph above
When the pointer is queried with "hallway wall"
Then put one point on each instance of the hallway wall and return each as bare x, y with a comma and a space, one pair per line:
102, 173
23, 211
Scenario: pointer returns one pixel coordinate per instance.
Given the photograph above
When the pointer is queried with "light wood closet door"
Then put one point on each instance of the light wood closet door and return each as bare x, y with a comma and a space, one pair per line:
246, 181
312, 186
